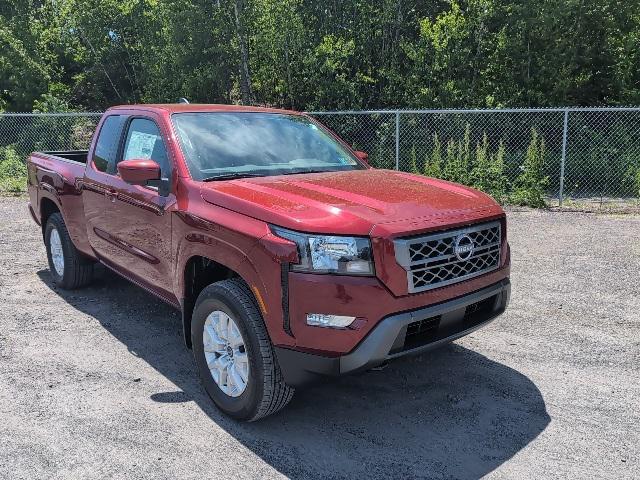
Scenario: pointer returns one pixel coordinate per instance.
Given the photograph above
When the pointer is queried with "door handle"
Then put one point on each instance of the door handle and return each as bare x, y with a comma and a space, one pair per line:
112, 195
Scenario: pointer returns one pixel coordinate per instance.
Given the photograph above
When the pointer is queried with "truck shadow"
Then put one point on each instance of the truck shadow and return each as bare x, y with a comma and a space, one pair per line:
452, 413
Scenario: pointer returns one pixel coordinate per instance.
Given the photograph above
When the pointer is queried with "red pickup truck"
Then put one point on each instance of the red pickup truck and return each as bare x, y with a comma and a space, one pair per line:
290, 258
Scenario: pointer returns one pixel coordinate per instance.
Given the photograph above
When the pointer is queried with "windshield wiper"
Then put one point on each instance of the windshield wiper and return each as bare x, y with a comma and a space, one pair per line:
231, 176
297, 172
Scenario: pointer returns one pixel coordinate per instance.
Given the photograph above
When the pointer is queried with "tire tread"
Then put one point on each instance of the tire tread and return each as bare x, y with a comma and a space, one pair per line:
276, 393
80, 271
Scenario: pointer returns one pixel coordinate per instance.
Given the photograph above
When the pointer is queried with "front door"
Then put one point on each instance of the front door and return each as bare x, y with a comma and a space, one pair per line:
139, 215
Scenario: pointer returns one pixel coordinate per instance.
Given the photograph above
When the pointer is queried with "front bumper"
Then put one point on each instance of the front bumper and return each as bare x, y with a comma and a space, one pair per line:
401, 334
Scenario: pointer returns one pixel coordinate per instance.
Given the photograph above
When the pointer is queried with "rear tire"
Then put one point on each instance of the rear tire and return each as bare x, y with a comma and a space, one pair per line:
264, 391
69, 268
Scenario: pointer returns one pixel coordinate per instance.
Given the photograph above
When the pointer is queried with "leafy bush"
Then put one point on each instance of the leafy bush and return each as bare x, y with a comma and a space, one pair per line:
13, 171
487, 173
530, 186
433, 164
480, 168
457, 163
414, 161
631, 180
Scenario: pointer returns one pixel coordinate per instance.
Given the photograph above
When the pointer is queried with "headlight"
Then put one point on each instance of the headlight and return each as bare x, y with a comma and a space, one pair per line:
330, 254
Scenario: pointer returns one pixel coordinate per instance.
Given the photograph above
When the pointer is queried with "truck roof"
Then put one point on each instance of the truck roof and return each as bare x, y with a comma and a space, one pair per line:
195, 107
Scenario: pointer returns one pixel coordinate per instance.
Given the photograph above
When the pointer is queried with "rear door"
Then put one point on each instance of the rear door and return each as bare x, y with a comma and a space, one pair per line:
139, 219
97, 191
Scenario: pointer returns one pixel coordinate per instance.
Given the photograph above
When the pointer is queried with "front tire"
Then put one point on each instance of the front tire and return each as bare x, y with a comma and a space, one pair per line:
234, 355
69, 269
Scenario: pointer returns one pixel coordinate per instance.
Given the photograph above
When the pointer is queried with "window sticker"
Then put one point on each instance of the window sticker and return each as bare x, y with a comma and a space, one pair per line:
141, 145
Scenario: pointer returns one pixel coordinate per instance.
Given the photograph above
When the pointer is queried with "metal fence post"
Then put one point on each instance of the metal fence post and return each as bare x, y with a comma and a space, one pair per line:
397, 140
564, 155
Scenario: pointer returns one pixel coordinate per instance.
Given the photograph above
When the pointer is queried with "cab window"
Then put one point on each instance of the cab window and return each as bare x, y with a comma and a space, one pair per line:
104, 156
145, 141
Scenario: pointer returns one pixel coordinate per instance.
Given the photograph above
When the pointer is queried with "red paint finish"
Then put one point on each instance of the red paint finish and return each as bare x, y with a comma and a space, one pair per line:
150, 238
362, 297
60, 183
138, 171
351, 202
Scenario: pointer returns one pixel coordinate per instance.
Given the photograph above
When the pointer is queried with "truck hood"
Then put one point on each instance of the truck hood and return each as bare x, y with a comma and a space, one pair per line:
353, 202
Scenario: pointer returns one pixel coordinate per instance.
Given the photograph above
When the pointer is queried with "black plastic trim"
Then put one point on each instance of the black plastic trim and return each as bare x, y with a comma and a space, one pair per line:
284, 284
382, 343
186, 310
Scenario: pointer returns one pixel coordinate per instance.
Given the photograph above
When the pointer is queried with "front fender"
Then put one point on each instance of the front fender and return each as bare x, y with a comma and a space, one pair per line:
233, 241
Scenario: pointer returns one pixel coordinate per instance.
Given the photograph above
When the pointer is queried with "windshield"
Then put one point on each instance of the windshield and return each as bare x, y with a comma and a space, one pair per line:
228, 144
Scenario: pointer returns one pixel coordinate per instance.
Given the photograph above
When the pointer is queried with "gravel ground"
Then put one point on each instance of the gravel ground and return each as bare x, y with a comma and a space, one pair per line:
97, 384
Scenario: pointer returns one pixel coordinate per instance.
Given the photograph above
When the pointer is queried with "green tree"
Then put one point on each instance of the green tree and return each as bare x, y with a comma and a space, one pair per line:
487, 173
89, 54
531, 185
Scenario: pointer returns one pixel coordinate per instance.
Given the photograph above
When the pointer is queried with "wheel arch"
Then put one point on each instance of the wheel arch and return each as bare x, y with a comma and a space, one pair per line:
199, 271
47, 208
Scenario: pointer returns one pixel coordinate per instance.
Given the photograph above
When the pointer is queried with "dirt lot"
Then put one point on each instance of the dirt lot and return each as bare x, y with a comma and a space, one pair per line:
97, 383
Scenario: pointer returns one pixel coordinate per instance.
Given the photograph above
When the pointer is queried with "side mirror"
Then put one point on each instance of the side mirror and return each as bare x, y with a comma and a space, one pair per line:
363, 156
138, 171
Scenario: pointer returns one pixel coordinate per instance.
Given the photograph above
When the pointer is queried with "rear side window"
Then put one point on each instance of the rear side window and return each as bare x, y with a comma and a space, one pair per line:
108, 140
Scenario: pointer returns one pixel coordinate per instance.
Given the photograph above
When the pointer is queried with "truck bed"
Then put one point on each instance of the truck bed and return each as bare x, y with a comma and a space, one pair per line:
79, 156
55, 181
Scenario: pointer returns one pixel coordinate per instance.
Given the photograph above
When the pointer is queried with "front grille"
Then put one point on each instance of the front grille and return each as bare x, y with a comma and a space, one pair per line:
444, 258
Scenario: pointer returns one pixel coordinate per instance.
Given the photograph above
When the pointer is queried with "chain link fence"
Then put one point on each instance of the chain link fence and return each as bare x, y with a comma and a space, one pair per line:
28, 132
22, 133
576, 156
